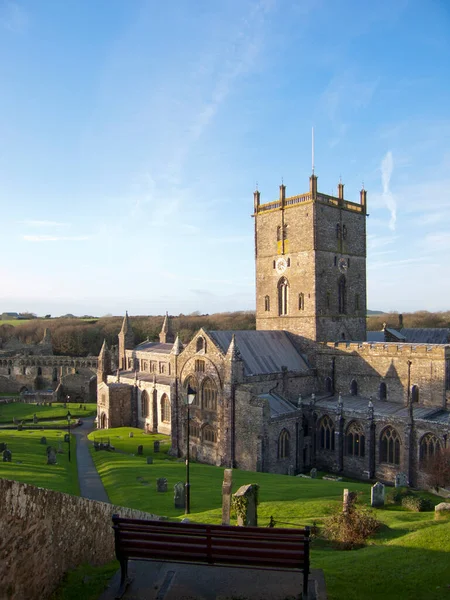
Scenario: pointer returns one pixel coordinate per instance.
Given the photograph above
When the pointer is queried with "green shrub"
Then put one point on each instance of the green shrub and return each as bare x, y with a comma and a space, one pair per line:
351, 529
416, 503
396, 495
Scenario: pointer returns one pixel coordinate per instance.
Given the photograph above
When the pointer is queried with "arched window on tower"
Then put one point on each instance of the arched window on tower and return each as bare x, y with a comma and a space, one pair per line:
326, 433
355, 440
430, 445
328, 385
342, 293
354, 387
283, 296
301, 301
200, 344
267, 303
144, 404
390, 446
415, 393
383, 391
283, 444
338, 231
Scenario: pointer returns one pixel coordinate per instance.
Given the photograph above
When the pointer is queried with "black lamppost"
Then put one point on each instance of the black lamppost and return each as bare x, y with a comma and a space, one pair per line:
189, 400
69, 416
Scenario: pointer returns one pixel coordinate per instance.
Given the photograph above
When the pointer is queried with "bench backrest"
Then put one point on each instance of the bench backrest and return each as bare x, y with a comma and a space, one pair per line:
222, 544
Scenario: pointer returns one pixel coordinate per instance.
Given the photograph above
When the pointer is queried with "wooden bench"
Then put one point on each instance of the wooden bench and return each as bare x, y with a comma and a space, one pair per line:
218, 545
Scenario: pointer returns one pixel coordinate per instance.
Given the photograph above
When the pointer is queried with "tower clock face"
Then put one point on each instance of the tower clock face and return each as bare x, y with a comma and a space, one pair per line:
281, 265
342, 264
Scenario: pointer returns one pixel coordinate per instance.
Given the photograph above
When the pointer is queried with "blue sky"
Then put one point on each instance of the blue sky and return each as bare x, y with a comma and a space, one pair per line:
132, 134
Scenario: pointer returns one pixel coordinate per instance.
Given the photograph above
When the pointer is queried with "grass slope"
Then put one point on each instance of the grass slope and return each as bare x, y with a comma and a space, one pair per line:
29, 460
25, 411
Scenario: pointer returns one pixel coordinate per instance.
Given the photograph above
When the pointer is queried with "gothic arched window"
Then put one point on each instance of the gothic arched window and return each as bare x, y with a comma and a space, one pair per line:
194, 429
383, 391
200, 344
266, 303
283, 444
342, 295
430, 445
301, 301
283, 296
326, 431
355, 440
328, 385
209, 434
191, 381
209, 393
144, 404
390, 446
354, 387
165, 409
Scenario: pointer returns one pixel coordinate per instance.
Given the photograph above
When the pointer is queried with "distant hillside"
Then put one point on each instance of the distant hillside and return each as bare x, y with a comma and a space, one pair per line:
374, 312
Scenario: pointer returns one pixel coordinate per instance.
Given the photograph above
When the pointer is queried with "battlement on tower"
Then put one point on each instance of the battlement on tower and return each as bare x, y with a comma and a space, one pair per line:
309, 197
391, 349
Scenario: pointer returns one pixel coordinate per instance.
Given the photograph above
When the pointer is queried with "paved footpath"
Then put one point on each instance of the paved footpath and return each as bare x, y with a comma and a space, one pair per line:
91, 485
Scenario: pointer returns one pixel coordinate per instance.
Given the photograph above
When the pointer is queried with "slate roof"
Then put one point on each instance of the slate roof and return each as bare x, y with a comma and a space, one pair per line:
278, 405
154, 347
426, 335
375, 336
129, 377
263, 352
383, 408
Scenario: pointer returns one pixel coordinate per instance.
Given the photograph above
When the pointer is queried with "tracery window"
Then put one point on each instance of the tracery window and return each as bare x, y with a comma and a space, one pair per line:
283, 296
209, 395
165, 409
390, 446
144, 404
355, 440
326, 433
209, 434
430, 445
283, 444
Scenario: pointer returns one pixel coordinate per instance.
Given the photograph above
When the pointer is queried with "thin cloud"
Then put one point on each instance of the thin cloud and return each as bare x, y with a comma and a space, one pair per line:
55, 238
44, 224
387, 167
13, 17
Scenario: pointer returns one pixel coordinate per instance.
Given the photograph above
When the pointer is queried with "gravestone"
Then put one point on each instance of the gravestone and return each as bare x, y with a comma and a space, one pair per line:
140, 450
20, 426
60, 448
66, 437
15, 421
7, 456
149, 460
401, 480
65, 405
161, 484
291, 470
348, 501
84, 407
2, 446
156, 444
179, 495
51, 455
44, 441
227, 485
35, 419
245, 502
131, 434
377, 495
313, 473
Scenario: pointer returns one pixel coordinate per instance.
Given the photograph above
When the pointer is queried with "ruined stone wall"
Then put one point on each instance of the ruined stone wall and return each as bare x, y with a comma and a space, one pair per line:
251, 441
46, 533
115, 407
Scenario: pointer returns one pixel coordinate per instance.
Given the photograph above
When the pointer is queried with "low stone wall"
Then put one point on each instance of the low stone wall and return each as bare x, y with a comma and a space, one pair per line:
46, 533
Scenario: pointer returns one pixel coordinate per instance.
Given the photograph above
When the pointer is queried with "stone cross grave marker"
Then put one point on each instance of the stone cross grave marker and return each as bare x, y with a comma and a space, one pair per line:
377, 495
244, 501
156, 444
226, 495
161, 484
401, 480
179, 495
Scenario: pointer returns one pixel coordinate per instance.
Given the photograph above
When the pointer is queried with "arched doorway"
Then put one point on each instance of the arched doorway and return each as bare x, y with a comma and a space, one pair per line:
103, 421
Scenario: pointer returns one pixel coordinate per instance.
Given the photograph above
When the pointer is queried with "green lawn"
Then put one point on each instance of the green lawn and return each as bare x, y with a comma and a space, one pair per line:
25, 411
408, 558
29, 460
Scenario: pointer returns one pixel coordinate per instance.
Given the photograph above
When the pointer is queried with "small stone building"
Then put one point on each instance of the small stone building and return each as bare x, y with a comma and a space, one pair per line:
305, 389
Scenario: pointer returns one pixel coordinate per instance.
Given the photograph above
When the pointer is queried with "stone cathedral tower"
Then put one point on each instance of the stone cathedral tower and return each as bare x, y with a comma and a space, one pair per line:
310, 253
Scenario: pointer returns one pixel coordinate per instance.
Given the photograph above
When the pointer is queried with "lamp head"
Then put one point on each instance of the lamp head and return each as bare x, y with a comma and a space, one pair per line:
190, 395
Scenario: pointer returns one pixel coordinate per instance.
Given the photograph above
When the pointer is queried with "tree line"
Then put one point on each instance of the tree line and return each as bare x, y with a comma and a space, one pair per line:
78, 337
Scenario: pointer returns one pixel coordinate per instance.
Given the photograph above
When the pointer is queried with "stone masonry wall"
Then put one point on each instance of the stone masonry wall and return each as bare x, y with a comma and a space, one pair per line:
46, 533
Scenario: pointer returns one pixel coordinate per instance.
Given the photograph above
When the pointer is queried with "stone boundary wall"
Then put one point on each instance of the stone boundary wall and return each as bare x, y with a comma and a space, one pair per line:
46, 533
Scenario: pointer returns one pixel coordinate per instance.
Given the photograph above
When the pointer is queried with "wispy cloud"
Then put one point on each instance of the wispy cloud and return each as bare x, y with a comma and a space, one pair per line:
13, 17
44, 224
387, 166
55, 238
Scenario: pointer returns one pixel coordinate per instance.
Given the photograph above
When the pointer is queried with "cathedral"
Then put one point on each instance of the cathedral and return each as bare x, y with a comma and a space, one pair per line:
306, 389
